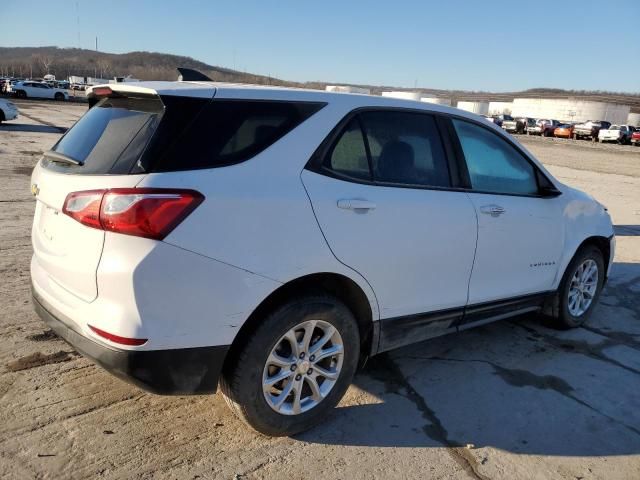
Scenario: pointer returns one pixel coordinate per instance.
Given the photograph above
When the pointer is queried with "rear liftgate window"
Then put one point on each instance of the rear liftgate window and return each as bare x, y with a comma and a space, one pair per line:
231, 131
114, 132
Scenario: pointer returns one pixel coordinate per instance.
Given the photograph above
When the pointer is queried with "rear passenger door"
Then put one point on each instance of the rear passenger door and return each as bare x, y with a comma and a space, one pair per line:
381, 191
520, 225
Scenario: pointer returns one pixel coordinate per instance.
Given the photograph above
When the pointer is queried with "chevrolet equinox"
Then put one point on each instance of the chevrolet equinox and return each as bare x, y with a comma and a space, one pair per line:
268, 240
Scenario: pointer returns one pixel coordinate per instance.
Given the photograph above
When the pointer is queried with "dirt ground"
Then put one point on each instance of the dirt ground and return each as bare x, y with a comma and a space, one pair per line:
511, 400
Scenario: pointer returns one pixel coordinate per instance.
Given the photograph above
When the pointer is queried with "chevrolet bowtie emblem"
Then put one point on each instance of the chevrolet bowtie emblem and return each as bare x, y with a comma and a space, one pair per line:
34, 189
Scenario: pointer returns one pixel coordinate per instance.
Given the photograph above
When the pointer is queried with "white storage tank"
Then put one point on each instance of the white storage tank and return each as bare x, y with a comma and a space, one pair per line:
436, 100
404, 95
481, 108
500, 108
634, 119
570, 109
347, 89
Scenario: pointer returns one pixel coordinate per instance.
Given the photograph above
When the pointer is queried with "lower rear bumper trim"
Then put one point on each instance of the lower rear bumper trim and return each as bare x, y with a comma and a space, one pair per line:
183, 371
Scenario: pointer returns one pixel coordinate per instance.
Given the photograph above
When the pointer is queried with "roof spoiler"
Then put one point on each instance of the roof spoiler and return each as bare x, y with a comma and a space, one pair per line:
191, 75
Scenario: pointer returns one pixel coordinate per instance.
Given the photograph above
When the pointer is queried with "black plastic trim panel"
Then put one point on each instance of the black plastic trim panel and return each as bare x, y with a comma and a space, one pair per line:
399, 331
183, 371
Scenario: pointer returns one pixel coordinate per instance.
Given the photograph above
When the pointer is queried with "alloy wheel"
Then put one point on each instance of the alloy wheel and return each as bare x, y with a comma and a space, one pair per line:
303, 367
583, 287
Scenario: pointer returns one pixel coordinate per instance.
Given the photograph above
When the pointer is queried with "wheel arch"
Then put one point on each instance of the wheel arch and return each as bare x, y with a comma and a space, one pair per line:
340, 286
600, 242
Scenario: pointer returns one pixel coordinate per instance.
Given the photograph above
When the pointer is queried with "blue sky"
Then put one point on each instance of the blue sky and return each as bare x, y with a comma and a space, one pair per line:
451, 44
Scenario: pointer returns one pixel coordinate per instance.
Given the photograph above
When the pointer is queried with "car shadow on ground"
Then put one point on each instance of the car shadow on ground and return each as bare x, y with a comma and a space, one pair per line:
516, 385
627, 230
24, 127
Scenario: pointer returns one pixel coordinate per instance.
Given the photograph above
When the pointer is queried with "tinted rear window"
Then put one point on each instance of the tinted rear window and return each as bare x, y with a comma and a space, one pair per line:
115, 130
231, 131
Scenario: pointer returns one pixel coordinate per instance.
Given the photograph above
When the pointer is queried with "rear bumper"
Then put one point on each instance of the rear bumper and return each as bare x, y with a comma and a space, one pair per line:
183, 371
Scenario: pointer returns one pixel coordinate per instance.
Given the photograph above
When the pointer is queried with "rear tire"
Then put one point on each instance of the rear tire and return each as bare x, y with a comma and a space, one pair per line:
577, 296
247, 383
58, 96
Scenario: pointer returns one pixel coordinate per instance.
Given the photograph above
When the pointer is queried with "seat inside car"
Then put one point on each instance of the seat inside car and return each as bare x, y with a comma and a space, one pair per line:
396, 163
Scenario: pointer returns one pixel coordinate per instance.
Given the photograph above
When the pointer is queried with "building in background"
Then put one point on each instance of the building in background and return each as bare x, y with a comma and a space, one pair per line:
80, 80
481, 108
404, 95
436, 100
347, 89
570, 109
500, 108
634, 119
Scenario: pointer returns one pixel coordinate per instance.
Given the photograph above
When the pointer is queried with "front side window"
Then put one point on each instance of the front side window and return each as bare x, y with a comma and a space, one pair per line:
405, 149
494, 165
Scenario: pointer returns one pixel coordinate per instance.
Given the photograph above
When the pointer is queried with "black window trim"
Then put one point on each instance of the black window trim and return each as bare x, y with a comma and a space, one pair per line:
315, 163
458, 171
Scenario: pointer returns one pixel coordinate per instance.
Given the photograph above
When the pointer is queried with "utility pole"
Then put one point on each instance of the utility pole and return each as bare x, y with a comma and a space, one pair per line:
96, 43
78, 22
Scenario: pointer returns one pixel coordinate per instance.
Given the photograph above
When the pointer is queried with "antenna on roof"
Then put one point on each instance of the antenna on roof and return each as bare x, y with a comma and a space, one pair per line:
191, 75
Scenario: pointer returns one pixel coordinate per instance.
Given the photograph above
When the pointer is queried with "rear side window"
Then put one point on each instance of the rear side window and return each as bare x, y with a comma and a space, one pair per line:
114, 130
493, 164
405, 149
232, 131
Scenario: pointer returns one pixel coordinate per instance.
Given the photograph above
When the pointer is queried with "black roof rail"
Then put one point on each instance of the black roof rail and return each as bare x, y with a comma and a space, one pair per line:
191, 75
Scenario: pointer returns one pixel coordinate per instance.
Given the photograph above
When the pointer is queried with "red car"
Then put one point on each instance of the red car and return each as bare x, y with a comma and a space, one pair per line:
635, 137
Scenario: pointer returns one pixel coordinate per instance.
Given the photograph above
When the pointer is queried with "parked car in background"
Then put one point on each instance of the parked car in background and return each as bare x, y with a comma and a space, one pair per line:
518, 125
564, 130
368, 234
616, 133
544, 127
635, 137
27, 89
589, 129
8, 110
500, 119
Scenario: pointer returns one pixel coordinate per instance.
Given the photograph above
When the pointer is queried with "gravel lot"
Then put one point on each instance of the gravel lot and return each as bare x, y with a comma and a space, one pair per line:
506, 401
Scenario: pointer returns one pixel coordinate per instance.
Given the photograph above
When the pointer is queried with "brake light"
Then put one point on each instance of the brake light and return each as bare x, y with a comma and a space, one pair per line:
142, 212
102, 91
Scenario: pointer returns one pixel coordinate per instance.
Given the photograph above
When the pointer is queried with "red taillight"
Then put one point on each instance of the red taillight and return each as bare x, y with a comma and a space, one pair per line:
142, 212
84, 207
133, 342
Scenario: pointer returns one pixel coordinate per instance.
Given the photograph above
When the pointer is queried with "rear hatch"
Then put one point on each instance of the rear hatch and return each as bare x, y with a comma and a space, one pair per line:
104, 149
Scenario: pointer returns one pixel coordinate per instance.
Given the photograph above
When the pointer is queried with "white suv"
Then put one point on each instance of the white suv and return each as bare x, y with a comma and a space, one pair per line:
188, 234
38, 90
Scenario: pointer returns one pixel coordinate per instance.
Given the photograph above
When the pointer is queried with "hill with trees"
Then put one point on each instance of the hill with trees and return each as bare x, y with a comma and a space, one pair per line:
35, 62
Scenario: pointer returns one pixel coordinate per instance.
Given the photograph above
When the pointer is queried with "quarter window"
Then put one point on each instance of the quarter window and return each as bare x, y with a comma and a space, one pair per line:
493, 164
349, 155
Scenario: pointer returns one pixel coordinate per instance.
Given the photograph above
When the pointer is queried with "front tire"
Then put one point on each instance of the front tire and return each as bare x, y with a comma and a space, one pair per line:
295, 367
59, 96
580, 288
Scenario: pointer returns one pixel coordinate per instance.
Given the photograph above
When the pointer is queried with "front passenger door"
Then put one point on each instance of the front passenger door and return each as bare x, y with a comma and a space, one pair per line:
520, 230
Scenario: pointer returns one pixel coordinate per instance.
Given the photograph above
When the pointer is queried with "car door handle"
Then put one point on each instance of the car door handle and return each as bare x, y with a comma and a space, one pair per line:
493, 210
356, 204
